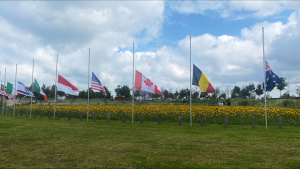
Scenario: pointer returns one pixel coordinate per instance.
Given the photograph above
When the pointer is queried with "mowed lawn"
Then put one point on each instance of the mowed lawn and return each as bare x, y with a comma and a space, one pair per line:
43, 143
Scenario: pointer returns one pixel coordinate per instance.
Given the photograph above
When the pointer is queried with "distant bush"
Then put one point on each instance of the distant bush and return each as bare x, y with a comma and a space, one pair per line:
243, 102
288, 103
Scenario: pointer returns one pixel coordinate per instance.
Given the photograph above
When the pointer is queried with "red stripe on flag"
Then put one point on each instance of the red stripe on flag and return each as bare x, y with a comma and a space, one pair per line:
210, 89
63, 81
138, 80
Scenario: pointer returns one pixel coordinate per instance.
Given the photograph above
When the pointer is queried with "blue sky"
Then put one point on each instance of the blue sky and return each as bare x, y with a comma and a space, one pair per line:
226, 41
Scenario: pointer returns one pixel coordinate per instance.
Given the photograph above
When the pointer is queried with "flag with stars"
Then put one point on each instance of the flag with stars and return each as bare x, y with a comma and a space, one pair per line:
271, 78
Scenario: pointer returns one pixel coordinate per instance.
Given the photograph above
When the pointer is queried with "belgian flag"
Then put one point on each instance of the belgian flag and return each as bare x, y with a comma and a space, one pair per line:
199, 79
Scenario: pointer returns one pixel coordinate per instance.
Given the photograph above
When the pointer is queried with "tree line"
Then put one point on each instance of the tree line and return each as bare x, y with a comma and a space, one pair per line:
248, 91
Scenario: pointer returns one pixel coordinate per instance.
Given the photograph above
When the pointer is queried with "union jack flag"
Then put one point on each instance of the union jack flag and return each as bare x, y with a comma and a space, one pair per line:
96, 84
268, 67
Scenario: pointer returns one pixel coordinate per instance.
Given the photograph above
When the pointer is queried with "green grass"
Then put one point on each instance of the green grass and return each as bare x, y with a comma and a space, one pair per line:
43, 143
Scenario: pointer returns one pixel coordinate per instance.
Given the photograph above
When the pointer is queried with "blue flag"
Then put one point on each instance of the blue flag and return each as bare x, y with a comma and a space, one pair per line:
271, 78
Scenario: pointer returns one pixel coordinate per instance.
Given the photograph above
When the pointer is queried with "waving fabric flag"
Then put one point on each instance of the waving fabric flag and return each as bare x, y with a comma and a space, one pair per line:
23, 90
7, 96
96, 84
145, 84
271, 78
38, 89
65, 86
199, 79
10, 89
3, 87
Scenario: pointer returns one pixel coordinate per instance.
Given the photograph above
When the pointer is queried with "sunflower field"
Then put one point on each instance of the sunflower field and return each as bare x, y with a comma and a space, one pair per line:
169, 113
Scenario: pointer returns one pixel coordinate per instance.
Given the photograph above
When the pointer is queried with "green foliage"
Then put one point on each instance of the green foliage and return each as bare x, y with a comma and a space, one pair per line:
195, 95
184, 93
259, 90
288, 103
244, 93
235, 92
123, 91
243, 102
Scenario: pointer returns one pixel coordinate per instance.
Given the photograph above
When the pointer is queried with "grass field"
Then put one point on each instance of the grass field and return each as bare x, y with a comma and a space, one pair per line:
43, 143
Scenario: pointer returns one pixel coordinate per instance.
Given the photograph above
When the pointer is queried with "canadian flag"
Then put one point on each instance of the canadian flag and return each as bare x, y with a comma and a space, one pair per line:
144, 83
65, 86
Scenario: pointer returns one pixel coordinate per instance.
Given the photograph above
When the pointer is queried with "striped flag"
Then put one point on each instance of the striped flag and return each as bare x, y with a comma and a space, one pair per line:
8, 96
65, 86
96, 84
23, 90
199, 79
38, 89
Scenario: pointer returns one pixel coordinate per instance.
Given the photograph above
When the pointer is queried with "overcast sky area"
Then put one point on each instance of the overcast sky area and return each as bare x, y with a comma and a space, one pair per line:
226, 41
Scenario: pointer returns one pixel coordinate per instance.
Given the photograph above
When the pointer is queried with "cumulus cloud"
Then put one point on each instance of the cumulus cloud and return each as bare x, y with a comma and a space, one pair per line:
41, 30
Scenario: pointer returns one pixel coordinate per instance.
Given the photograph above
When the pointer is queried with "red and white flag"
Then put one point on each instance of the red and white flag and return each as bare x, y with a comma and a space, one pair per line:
145, 84
65, 86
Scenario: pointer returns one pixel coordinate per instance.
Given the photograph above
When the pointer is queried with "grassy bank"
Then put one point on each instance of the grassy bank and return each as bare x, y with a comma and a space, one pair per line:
291, 103
44, 143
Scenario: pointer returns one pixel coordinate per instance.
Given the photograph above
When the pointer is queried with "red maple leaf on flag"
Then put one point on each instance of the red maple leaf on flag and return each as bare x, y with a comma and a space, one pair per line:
148, 82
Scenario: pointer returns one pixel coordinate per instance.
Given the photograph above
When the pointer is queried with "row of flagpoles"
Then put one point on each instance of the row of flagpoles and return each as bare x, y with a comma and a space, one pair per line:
139, 82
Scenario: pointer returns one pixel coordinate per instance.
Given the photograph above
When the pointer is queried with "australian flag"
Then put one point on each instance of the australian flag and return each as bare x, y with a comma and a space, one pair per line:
271, 78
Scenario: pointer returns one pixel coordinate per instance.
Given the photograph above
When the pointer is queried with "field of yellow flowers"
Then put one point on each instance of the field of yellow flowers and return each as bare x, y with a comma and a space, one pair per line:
211, 114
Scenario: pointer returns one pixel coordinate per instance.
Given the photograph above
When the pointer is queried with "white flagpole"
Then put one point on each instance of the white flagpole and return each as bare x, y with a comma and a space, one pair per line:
5, 91
15, 90
191, 117
55, 86
264, 67
31, 88
132, 82
87, 116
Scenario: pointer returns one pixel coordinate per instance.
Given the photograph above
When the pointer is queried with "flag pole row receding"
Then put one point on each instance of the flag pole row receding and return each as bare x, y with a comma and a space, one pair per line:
139, 82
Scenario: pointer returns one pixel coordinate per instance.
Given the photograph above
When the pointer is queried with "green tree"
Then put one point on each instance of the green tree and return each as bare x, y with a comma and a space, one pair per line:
184, 93
244, 93
176, 94
203, 95
235, 92
195, 95
171, 95
281, 85
166, 94
82, 94
223, 95
285, 96
123, 91
259, 90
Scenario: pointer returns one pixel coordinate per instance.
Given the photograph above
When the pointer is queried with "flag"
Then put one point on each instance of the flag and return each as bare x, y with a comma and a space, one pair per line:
145, 84
65, 86
7, 96
271, 78
38, 89
199, 79
96, 84
156, 91
23, 90
10, 88
3, 87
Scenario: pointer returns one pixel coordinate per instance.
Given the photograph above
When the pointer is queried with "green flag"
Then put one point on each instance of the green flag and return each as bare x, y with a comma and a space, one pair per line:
36, 87
9, 88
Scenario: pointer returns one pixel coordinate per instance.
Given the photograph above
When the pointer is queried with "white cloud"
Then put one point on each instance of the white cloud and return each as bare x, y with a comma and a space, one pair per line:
40, 30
